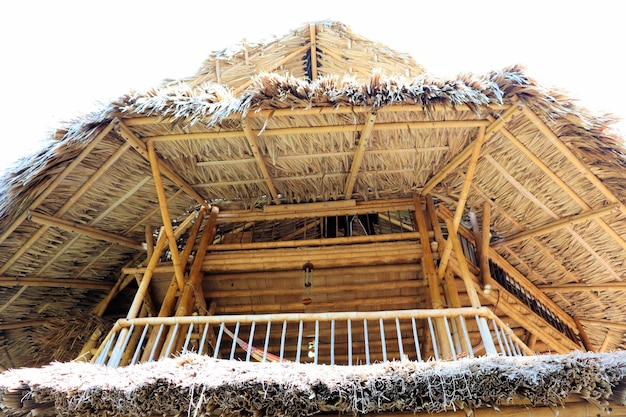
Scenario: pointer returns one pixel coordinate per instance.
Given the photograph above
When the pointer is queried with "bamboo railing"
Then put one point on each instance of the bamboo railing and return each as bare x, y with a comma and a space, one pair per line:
340, 338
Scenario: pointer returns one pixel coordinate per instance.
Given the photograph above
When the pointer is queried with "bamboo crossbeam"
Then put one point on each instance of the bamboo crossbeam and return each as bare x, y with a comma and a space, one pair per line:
22, 324
46, 191
322, 209
256, 152
326, 129
54, 282
325, 241
556, 225
359, 153
323, 110
604, 323
84, 230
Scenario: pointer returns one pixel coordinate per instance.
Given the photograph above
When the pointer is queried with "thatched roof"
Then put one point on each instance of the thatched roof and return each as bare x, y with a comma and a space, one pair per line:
74, 213
197, 385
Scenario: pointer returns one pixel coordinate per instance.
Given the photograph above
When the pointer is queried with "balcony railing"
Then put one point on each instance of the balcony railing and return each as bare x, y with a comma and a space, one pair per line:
342, 338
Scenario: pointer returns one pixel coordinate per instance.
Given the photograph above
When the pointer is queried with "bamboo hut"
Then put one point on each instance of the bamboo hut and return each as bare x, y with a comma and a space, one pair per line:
314, 224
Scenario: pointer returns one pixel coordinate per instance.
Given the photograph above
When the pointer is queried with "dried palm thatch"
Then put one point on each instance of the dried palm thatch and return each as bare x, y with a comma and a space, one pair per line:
282, 122
197, 385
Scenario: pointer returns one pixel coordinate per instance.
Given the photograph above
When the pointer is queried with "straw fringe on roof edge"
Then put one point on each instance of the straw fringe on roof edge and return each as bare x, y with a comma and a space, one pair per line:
212, 103
202, 386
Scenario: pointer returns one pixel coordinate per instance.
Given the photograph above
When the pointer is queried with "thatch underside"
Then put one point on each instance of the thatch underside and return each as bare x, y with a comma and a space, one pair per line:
198, 385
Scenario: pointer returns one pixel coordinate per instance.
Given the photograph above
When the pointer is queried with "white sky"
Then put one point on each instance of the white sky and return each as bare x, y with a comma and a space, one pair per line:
59, 58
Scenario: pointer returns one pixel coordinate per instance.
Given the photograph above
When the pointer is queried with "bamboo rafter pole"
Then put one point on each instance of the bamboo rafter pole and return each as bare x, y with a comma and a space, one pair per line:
141, 148
573, 159
606, 341
616, 325
524, 282
526, 193
460, 207
612, 287
84, 230
55, 183
313, 37
70, 202
165, 214
359, 153
491, 129
563, 185
256, 152
556, 225
54, 282
583, 336
323, 110
542, 248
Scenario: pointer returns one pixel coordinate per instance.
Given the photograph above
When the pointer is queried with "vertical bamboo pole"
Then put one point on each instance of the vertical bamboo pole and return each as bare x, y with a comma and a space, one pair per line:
149, 232
430, 274
190, 292
484, 247
466, 276
169, 301
460, 207
451, 292
165, 214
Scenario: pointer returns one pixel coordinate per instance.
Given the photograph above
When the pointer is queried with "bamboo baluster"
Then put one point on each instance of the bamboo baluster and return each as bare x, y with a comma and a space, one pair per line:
450, 289
430, 275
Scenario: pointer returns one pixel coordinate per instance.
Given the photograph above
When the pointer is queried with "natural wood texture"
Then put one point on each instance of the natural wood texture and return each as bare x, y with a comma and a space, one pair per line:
605, 323
21, 324
256, 152
84, 230
609, 287
54, 282
583, 336
556, 225
357, 159
313, 52
165, 215
484, 245
573, 409
460, 207
57, 180
141, 148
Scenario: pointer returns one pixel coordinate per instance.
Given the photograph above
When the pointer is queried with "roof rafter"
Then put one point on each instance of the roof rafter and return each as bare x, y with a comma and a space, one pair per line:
254, 147
84, 230
524, 191
609, 287
54, 282
359, 153
141, 147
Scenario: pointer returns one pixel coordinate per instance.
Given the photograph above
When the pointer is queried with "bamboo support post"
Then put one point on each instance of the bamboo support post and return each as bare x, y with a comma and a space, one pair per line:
359, 153
430, 274
165, 214
256, 152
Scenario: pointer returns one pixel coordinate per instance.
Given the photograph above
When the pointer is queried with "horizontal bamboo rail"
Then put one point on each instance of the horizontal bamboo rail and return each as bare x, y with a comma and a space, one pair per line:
369, 336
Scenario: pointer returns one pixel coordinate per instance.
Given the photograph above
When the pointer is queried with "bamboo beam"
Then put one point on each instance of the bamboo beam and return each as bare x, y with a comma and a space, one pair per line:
165, 214
556, 225
55, 183
359, 153
321, 209
484, 247
573, 159
460, 207
256, 152
606, 341
328, 129
84, 230
524, 191
313, 52
54, 282
562, 184
583, 336
322, 110
22, 324
621, 326
612, 287
141, 148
